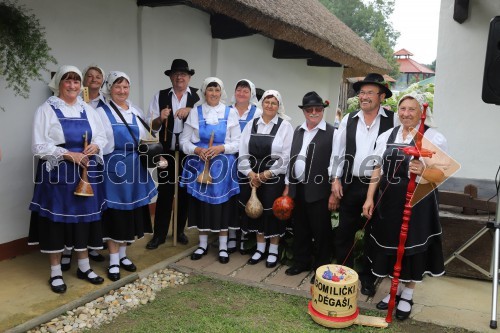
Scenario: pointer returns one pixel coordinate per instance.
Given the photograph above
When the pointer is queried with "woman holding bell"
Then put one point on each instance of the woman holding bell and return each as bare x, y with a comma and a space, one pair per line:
210, 137
263, 159
128, 184
423, 250
62, 217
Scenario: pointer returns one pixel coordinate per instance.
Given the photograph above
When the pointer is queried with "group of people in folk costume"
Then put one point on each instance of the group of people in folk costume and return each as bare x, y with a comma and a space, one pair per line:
248, 144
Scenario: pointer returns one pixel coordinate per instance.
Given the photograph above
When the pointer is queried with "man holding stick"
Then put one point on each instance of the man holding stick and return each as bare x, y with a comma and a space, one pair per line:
168, 110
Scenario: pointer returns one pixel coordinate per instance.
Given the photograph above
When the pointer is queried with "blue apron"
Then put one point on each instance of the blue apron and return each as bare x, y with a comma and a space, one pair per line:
54, 197
128, 185
222, 167
251, 113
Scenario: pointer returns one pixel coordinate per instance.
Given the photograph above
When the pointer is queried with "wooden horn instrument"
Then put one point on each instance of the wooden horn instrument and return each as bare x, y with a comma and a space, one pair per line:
84, 189
205, 177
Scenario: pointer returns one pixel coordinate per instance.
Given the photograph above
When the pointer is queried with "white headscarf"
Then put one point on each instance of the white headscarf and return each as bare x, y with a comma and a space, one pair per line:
253, 92
281, 107
421, 99
54, 83
110, 79
206, 82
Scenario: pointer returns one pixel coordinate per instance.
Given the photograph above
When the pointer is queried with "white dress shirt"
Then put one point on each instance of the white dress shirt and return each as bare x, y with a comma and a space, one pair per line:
93, 103
154, 111
190, 135
299, 168
366, 137
127, 115
281, 145
48, 133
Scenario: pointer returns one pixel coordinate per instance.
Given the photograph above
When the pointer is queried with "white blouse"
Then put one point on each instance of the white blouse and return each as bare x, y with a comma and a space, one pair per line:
127, 115
433, 140
190, 134
244, 116
48, 133
281, 146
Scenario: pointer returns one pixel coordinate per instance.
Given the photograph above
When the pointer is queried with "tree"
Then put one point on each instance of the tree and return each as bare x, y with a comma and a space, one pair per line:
380, 43
24, 52
370, 20
432, 65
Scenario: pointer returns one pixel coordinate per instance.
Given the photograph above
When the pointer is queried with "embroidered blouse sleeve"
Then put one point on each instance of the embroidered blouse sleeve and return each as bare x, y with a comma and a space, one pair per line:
47, 134
286, 132
98, 133
233, 133
108, 132
243, 159
190, 135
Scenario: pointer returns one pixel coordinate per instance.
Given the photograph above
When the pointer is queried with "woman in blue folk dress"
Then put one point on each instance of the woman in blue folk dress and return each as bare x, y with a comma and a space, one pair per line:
212, 207
128, 185
61, 219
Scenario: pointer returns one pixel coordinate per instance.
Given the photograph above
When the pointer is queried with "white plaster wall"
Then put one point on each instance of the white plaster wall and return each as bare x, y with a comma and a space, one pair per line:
470, 125
141, 41
74, 31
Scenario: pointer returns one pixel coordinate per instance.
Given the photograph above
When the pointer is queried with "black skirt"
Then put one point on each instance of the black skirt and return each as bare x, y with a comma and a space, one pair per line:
213, 217
126, 225
54, 237
423, 248
267, 223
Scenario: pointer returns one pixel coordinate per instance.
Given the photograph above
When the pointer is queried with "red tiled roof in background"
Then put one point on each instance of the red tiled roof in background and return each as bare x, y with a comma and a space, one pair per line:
403, 52
407, 65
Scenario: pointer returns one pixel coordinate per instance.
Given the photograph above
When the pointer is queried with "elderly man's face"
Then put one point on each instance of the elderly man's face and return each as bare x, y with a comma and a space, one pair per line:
313, 115
180, 80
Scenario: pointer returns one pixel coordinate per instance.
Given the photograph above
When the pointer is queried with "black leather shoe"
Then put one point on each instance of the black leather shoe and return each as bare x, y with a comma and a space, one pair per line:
94, 280
222, 259
402, 315
384, 306
57, 289
182, 238
97, 257
294, 270
368, 289
154, 243
256, 261
66, 267
197, 256
272, 264
113, 276
130, 267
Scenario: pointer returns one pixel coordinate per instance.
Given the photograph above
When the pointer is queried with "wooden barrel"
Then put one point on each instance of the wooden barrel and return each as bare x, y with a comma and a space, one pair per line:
334, 296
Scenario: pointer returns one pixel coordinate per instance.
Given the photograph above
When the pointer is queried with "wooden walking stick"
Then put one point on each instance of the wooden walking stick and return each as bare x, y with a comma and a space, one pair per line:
415, 151
176, 196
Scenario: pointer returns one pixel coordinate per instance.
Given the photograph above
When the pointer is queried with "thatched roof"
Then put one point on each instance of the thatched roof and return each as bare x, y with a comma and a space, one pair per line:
306, 23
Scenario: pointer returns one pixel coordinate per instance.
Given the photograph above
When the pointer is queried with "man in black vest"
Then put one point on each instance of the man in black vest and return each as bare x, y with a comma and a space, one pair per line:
308, 184
352, 167
171, 107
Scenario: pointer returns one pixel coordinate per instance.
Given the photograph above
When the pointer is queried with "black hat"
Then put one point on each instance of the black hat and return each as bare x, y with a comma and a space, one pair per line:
312, 99
377, 79
179, 65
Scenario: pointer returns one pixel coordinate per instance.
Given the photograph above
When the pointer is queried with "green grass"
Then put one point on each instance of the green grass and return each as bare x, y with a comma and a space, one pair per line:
209, 305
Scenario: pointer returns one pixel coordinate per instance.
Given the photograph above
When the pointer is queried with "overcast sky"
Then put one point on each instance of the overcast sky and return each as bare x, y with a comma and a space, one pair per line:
418, 22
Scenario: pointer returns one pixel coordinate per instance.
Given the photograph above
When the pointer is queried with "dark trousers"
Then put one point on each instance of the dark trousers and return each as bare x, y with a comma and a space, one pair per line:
311, 221
350, 221
164, 201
